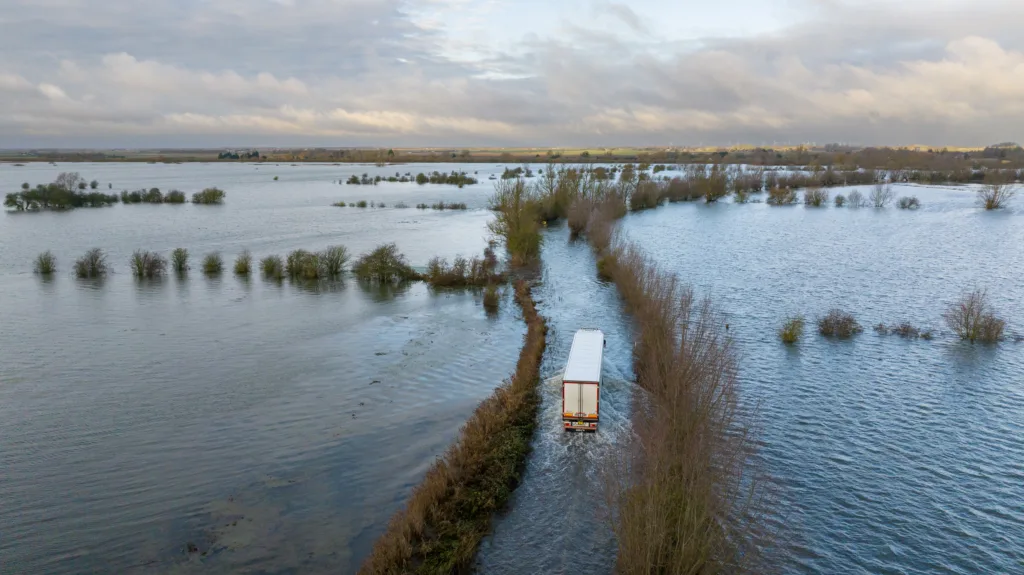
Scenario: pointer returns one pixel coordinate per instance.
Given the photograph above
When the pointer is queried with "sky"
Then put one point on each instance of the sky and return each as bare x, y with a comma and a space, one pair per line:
466, 73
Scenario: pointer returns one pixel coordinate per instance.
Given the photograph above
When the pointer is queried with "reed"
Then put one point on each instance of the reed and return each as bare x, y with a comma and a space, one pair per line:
45, 263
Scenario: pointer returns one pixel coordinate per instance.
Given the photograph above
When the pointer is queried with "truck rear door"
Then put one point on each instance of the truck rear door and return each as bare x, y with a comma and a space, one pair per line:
570, 399
588, 399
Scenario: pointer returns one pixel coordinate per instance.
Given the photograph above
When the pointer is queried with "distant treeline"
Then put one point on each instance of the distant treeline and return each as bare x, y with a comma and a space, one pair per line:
70, 190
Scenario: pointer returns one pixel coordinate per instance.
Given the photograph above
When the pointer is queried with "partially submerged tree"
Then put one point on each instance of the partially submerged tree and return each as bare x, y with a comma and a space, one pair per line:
973, 319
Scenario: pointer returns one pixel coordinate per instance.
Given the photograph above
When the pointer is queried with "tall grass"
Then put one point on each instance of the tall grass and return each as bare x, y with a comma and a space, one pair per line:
272, 267
837, 323
179, 260
385, 264
243, 263
45, 264
973, 319
450, 511
92, 265
147, 264
792, 329
212, 264
687, 496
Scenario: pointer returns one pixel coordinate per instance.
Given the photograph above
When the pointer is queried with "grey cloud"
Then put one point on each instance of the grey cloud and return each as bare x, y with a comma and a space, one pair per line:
328, 72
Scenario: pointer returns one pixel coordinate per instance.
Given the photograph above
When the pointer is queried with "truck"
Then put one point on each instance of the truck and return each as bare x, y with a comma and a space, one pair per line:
581, 381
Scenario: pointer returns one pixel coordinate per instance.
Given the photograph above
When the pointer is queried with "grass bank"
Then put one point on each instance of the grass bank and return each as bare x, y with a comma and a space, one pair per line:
687, 496
450, 511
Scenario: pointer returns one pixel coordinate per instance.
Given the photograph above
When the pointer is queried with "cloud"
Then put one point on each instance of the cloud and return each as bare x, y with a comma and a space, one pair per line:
353, 72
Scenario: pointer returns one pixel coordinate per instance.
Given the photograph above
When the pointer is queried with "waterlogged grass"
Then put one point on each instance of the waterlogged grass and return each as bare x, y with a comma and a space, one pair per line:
213, 265
385, 264
147, 265
179, 260
792, 330
272, 267
450, 512
92, 265
243, 264
45, 264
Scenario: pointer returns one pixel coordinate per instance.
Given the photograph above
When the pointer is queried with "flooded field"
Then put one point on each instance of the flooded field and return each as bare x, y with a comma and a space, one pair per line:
276, 427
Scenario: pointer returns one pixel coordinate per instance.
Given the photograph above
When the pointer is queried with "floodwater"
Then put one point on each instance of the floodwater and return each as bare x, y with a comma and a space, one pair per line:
277, 427
891, 455
274, 426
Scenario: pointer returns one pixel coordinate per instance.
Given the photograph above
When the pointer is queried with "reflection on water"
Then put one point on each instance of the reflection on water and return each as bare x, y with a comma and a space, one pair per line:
275, 426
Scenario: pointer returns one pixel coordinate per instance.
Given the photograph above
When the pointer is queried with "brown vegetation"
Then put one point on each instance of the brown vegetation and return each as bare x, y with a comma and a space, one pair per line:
450, 511
474, 272
838, 323
998, 190
973, 319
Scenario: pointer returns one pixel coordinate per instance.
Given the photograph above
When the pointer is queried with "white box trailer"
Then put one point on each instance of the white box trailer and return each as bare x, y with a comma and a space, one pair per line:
581, 382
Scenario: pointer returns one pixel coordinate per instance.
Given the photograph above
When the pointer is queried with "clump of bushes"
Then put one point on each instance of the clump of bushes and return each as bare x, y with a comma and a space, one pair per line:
329, 263
385, 264
647, 195
973, 319
840, 200
209, 196
243, 263
179, 260
792, 329
909, 203
339, 204
815, 197
579, 215
212, 264
781, 197
92, 265
147, 264
272, 267
449, 206
45, 264
360, 204
477, 272
838, 323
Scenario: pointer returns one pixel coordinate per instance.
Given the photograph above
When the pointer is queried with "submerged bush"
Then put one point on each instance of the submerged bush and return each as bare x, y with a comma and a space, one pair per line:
476, 272
361, 204
973, 319
906, 330
212, 264
909, 203
997, 191
647, 195
815, 197
147, 264
243, 263
384, 264
179, 260
781, 197
579, 215
516, 220
174, 197
92, 265
272, 267
792, 329
301, 264
333, 260
45, 264
882, 195
840, 200
838, 323
856, 199
339, 204
209, 196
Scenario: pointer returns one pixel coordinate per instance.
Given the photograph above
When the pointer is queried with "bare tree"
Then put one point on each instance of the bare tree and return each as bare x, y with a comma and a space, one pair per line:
69, 180
882, 194
973, 319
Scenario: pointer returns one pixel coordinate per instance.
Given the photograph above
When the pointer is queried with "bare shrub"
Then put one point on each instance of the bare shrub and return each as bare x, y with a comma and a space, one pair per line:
838, 323
997, 191
333, 260
579, 215
882, 195
908, 203
973, 319
516, 220
856, 199
815, 197
781, 196
647, 195
792, 329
